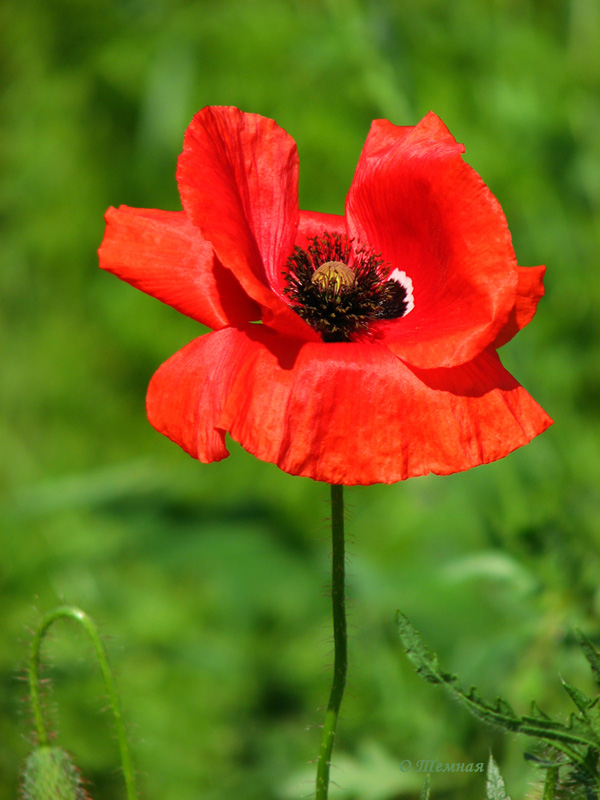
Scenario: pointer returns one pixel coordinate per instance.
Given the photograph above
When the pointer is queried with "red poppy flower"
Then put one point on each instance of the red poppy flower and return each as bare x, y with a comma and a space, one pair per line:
375, 357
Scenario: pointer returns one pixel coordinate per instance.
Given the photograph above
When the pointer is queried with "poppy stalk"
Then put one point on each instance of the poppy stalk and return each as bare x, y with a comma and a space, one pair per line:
340, 638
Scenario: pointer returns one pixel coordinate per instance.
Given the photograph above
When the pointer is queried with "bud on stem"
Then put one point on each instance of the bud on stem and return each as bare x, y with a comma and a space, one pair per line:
52, 763
50, 774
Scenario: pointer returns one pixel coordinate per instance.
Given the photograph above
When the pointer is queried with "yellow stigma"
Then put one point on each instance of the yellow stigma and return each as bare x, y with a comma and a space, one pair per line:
334, 276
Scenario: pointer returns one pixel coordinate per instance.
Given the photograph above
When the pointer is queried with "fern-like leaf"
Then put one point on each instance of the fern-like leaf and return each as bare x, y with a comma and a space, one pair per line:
569, 738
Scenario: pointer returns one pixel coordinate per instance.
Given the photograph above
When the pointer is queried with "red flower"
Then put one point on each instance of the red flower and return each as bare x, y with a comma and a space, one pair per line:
376, 357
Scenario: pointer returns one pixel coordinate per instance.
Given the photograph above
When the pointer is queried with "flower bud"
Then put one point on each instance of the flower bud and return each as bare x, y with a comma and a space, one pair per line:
50, 774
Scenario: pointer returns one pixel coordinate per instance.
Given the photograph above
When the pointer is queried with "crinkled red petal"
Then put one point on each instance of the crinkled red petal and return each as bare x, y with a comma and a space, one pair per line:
530, 290
238, 180
417, 202
164, 255
187, 393
340, 413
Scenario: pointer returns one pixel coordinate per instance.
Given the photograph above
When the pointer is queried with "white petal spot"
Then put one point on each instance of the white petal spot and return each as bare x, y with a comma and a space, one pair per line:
402, 278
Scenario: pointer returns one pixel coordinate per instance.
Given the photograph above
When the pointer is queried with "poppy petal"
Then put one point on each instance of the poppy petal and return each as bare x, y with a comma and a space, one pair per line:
238, 180
187, 393
164, 255
314, 223
530, 290
341, 413
416, 201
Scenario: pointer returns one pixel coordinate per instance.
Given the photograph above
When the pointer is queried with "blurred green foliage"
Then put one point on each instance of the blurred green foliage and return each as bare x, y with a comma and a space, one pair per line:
208, 581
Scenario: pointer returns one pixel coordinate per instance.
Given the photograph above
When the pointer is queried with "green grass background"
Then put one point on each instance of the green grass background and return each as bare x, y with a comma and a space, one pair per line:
210, 582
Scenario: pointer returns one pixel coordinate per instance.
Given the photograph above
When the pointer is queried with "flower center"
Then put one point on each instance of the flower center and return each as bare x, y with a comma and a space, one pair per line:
340, 291
334, 275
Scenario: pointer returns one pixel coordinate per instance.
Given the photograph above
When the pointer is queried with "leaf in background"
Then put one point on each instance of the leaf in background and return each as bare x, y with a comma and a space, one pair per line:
567, 738
590, 709
495, 789
371, 773
590, 653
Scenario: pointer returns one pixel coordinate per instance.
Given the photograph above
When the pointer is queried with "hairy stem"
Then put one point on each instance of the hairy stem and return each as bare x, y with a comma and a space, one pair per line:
70, 612
550, 783
338, 568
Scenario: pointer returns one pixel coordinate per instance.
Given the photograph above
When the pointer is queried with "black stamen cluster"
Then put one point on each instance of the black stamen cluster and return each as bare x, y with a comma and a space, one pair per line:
337, 314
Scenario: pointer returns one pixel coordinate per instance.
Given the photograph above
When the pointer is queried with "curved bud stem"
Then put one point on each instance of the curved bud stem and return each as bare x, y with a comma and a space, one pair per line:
71, 612
338, 596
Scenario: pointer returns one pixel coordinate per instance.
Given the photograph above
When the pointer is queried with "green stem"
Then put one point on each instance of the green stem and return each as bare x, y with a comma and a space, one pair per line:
70, 612
338, 569
550, 783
